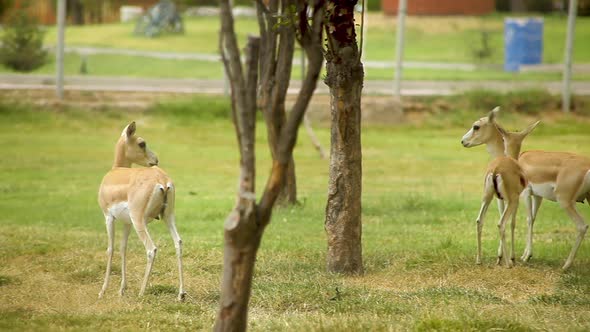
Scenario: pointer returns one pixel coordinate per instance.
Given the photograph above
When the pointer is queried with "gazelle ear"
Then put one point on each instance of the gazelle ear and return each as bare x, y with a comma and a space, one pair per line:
529, 128
493, 113
130, 130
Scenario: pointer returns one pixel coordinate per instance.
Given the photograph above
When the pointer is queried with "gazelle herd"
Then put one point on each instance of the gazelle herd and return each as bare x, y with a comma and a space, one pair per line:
561, 177
139, 195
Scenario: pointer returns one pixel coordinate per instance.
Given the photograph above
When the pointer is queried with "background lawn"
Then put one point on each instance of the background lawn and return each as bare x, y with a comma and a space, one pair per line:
436, 39
421, 193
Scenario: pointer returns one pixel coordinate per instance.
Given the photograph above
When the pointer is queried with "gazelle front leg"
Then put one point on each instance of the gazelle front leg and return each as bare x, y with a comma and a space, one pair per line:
110, 221
150, 248
532, 204
126, 231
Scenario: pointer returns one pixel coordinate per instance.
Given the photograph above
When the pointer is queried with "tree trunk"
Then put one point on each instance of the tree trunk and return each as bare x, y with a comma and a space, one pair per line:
276, 62
288, 194
238, 267
517, 6
245, 225
76, 8
345, 79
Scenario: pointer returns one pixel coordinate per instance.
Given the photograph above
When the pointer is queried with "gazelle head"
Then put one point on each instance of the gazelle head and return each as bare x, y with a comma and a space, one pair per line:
482, 130
132, 149
513, 140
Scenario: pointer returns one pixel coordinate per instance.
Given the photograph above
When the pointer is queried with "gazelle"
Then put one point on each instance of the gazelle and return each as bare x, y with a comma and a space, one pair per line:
136, 196
557, 176
506, 180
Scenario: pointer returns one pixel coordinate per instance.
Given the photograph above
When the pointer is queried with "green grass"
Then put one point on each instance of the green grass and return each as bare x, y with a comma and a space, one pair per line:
440, 39
445, 39
421, 193
136, 66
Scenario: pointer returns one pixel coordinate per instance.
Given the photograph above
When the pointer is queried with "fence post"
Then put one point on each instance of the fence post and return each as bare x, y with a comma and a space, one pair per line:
399, 47
567, 65
61, 26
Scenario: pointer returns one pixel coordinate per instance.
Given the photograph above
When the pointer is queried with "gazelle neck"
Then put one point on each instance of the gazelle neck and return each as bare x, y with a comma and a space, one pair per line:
120, 158
495, 145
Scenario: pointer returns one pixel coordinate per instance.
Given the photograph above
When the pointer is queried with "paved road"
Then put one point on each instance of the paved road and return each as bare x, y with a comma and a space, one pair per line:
409, 88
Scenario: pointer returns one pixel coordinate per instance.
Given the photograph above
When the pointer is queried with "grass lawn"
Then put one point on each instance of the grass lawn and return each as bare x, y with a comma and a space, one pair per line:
136, 66
439, 39
421, 193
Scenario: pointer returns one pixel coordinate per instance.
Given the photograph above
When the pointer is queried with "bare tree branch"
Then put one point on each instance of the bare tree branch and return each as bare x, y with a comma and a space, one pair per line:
289, 132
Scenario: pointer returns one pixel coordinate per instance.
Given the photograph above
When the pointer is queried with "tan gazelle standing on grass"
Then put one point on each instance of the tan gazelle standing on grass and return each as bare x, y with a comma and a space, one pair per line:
557, 176
136, 196
505, 179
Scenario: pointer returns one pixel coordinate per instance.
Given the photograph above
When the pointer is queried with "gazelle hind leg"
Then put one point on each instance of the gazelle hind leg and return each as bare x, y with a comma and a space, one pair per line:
142, 232
124, 239
485, 203
501, 208
170, 219
508, 212
110, 223
581, 226
170, 222
512, 227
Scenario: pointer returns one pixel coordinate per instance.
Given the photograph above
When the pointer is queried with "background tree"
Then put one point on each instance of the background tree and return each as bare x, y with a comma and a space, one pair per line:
21, 44
75, 8
345, 80
245, 225
277, 46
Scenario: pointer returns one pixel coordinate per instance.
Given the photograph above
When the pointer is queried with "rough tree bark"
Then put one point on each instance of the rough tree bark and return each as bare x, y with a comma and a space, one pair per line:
244, 227
345, 80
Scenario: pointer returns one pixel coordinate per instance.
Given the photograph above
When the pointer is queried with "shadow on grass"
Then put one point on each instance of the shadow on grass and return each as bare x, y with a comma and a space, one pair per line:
436, 324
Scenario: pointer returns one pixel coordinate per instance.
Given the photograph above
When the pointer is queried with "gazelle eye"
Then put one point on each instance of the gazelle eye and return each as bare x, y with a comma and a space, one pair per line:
142, 145
476, 127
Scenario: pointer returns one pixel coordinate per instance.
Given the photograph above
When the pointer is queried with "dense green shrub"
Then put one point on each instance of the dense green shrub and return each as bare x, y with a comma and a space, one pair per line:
22, 43
373, 5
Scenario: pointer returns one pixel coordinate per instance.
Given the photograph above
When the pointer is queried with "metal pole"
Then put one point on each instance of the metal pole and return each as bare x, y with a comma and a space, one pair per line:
569, 46
61, 27
399, 46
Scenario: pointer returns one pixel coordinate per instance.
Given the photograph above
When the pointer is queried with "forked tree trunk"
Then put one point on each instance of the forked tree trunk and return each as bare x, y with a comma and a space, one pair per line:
276, 62
244, 227
345, 79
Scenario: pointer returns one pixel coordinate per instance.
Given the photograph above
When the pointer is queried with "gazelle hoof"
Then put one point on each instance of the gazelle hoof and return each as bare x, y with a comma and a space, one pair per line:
181, 296
499, 260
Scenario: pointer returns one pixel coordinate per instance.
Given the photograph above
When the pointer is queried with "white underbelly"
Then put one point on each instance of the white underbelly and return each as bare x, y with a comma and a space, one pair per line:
120, 211
545, 190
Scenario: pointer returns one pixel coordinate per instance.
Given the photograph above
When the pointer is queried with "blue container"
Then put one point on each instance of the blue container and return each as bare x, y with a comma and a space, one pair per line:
523, 42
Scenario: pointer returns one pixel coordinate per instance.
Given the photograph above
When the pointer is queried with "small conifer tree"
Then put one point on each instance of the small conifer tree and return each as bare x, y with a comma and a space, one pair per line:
22, 43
